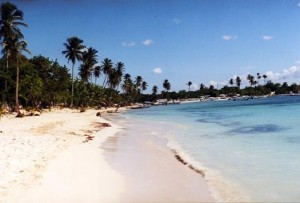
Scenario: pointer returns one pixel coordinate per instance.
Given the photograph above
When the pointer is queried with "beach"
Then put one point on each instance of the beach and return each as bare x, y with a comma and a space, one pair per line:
68, 156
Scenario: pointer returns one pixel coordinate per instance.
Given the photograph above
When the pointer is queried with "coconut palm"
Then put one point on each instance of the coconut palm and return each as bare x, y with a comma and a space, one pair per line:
238, 81
11, 19
265, 77
112, 78
202, 86
97, 72
189, 84
127, 76
154, 90
127, 84
89, 59
231, 82
166, 86
107, 66
73, 52
144, 85
15, 46
138, 81
258, 76
119, 72
251, 80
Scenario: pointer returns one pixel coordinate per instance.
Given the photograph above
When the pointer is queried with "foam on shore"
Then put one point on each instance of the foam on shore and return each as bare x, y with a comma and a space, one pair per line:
222, 190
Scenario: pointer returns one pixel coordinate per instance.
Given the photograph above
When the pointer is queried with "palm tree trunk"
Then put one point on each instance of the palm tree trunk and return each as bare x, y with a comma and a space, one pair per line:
17, 89
104, 82
6, 72
72, 94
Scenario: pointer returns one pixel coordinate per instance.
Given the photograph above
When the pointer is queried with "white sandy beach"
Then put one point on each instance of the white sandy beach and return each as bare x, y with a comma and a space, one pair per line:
47, 159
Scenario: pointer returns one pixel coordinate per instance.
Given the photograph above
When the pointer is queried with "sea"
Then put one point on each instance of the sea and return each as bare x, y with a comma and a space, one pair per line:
247, 150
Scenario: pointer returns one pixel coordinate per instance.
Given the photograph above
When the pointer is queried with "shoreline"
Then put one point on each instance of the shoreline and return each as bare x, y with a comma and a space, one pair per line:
152, 170
69, 152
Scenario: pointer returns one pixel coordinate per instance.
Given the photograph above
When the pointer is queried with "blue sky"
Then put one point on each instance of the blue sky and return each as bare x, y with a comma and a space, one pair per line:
203, 41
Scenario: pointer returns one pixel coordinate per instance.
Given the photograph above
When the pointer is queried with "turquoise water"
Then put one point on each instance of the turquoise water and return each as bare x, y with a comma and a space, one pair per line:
249, 150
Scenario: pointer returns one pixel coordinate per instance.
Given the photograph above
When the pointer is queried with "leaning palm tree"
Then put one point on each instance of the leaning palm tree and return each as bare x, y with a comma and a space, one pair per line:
107, 66
11, 19
73, 52
15, 46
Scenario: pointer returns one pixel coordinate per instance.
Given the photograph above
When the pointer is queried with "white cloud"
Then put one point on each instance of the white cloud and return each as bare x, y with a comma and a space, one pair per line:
218, 84
292, 72
298, 4
128, 44
157, 70
176, 20
194, 87
229, 37
266, 37
148, 42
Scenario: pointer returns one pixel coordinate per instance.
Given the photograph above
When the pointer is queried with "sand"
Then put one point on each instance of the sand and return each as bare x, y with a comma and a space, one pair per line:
151, 171
49, 159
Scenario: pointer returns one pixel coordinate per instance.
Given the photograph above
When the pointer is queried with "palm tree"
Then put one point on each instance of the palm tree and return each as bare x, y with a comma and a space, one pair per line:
119, 72
258, 77
154, 90
97, 72
265, 77
15, 46
144, 85
128, 84
138, 81
189, 84
202, 86
73, 52
231, 82
11, 19
107, 66
113, 78
238, 82
251, 80
166, 86
89, 59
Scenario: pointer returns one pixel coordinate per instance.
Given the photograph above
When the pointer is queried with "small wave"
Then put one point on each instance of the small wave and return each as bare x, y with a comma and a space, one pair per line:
222, 190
